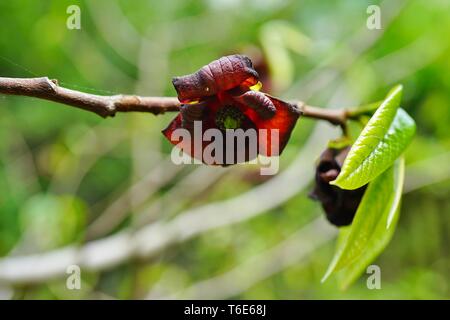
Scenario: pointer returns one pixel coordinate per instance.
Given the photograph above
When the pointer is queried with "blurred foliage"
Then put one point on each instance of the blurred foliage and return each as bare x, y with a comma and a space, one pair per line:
60, 168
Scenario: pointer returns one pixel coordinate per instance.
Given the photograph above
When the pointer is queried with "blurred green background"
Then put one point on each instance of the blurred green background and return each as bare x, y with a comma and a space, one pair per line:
68, 177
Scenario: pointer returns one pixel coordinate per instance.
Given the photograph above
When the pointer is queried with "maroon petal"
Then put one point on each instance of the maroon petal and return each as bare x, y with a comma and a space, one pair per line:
202, 112
284, 120
207, 114
259, 102
192, 112
220, 75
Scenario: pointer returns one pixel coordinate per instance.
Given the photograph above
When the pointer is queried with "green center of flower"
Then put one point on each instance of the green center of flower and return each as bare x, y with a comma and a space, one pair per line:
229, 117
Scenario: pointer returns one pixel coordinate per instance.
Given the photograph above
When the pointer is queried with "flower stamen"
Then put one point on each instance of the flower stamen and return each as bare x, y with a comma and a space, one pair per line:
229, 117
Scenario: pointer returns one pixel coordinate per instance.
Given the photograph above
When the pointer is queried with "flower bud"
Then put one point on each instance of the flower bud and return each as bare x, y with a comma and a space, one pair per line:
339, 205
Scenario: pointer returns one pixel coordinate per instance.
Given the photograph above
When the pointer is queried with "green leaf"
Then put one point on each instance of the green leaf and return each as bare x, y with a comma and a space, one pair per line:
372, 227
383, 139
351, 273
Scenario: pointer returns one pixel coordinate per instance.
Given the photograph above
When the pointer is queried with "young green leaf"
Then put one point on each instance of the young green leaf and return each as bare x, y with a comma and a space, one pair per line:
351, 273
372, 227
383, 139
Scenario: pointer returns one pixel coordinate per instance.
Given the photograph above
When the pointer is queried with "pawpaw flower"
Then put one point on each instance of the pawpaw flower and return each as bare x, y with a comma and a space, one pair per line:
225, 95
339, 205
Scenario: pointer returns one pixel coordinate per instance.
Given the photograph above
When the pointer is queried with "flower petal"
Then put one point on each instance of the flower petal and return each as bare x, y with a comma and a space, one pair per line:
202, 112
220, 75
192, 112
284, 120
259, 102
205, 114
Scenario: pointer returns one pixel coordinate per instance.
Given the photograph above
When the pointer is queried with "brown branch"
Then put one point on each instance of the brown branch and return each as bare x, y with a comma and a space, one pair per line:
108, 106
334, 116
104, 106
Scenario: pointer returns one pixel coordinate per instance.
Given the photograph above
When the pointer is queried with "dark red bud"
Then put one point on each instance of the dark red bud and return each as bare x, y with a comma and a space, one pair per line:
339, 205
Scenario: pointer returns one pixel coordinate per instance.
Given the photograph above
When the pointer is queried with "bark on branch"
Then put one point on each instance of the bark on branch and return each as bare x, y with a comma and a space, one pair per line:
104, 106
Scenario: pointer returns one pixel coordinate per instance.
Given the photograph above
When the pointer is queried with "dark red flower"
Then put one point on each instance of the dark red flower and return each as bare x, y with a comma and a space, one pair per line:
339, 205
222, 95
